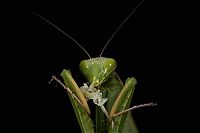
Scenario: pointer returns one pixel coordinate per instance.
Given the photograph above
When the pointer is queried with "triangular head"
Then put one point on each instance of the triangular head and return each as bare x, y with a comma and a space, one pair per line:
97, 70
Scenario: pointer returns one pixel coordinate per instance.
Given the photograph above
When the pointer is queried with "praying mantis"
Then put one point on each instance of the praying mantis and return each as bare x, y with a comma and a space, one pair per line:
105, 88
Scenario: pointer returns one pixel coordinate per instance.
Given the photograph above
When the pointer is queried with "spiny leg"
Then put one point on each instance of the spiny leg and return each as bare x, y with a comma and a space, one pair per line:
67, 89
134, 107
127, 110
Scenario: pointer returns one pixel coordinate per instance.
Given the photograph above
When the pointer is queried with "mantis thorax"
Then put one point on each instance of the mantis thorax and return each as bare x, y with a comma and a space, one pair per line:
97, 70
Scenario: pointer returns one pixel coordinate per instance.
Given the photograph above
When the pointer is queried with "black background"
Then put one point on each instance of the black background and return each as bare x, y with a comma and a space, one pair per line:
150, 47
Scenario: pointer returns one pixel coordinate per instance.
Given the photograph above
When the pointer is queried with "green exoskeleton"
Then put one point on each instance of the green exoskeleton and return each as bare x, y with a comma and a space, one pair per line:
105, 88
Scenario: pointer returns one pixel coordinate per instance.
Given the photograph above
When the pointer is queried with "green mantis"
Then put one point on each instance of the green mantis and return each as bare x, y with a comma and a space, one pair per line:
111, 96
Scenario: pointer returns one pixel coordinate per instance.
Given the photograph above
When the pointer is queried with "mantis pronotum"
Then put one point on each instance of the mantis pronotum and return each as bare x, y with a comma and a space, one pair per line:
104, 87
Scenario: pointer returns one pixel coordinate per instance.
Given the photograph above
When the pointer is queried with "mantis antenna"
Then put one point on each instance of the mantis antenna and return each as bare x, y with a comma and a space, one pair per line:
62, 32
119, 28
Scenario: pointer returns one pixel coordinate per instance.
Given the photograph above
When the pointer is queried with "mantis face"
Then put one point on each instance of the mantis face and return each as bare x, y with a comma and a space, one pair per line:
97, 70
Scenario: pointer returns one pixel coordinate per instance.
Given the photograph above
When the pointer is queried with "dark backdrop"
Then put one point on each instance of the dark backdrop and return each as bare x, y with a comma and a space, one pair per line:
147, 47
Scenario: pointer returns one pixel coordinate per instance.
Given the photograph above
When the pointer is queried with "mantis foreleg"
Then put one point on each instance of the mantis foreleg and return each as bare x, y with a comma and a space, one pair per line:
78, 101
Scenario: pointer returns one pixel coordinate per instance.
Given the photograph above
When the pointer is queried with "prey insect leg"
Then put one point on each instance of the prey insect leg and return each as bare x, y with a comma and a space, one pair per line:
67, 89
134, 107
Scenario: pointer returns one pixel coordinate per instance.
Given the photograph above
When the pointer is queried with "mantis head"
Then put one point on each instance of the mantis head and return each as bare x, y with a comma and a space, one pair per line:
97, 70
